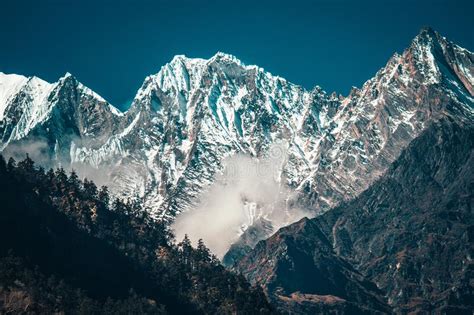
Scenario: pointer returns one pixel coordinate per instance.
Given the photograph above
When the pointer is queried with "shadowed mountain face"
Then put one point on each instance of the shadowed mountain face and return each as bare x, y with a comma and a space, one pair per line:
410, 234
302, 273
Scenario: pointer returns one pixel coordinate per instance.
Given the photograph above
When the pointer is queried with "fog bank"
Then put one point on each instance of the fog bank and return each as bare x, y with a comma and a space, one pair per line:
247, 189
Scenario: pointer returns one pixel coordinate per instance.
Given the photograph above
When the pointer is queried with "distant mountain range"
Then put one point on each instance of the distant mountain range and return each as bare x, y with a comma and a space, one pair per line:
190, 117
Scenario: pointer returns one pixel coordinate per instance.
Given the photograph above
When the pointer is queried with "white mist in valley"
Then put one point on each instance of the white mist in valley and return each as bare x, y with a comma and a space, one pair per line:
246, 190
40, 152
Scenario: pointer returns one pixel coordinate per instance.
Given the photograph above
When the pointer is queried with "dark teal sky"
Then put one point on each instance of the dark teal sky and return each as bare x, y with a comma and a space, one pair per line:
112, 45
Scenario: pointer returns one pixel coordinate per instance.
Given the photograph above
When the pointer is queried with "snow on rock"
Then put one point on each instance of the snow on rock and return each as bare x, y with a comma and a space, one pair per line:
10, 84
194, 113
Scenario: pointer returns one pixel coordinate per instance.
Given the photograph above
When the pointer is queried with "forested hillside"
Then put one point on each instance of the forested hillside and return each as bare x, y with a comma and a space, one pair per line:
66, 247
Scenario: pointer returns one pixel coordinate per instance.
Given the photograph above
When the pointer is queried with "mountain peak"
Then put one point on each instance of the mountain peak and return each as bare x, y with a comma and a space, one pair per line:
183, 59
177, 58
428, 31
428, 37
67, 77
10, 84
224, 57
219, 57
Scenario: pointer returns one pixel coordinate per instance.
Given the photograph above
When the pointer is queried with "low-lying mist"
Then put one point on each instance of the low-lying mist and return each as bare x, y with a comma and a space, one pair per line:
41, 153
247, 189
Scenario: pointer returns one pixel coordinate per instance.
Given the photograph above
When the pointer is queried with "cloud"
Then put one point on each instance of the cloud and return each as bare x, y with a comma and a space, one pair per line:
246, 190
37, 149
47, 156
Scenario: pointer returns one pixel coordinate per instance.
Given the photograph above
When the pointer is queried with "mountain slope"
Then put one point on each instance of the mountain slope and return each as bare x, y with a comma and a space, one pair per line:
414, 228
410, 233
302, 274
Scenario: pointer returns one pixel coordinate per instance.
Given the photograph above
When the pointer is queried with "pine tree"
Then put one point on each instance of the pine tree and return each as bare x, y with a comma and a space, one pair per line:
90, 189
203, 254
27, 165
11, 165
73, 179
186, 251
3, 165
61, 178
104, 195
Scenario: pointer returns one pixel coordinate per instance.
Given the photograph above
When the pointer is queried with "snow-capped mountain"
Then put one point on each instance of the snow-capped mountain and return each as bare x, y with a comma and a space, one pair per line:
52, 117
430, 79
194, 113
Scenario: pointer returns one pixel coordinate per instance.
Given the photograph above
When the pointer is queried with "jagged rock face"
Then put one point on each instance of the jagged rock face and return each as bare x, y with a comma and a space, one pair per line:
410, 233
375, 123
185, 120
201, 112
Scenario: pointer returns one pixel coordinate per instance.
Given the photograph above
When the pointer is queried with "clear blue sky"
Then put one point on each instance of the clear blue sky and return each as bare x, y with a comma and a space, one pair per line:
112, 45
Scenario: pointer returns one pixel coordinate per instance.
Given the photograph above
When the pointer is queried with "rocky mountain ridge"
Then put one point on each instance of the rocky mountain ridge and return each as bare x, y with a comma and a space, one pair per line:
186, 120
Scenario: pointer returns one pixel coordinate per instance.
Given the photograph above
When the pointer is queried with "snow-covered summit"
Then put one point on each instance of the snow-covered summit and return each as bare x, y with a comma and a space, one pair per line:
10, 84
